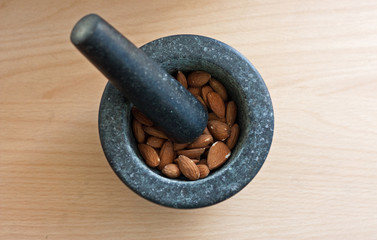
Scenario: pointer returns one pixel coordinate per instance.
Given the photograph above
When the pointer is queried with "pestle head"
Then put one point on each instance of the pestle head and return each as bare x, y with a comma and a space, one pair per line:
141, 80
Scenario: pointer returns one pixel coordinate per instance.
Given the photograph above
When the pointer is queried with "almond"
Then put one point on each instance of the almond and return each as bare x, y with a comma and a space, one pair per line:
216, 104
192, 153
188, 168
200, 99
213, 116
141, 117
198, 78
206, 131
203, 161
219, 130
155, 142
166, 154
155, 132
203, 170
201, 141
219, 88
217, 155
171, 170
233, 138
194, 91
149, 154
180, 146
181, 78
139, 133
196, 161
231, 113
205, 91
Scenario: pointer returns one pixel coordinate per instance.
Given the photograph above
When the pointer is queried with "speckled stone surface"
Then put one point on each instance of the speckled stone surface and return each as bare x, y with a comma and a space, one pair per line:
255, 117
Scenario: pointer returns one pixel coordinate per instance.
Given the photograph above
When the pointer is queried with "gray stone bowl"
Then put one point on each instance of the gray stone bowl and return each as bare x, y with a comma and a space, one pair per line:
255, 118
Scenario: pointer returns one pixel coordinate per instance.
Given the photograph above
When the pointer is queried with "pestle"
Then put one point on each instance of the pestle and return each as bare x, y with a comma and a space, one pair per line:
140, 79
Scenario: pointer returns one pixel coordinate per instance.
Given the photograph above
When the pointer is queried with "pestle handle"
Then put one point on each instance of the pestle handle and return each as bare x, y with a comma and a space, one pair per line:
140, 79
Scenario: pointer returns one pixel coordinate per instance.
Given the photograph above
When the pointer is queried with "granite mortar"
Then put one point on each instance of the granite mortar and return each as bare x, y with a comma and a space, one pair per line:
255, 116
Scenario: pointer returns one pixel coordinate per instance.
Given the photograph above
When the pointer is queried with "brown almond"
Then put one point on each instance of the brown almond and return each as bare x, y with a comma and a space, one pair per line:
180, 146
213, 116
166, 154
149, 154
203, 170
201, 141
155, 142
196, 161
206, 131
192, 153
233, 138
205, 91
200, 99
139, 133
155, 132
188, 168
217, 155
194, 91
171, 170
198, 78
216, 104
219, 130
219, 88
181, 78
203, 161
141, 117
231, 113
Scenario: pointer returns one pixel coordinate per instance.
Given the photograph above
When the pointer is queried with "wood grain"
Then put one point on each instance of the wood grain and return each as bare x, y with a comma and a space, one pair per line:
318, 59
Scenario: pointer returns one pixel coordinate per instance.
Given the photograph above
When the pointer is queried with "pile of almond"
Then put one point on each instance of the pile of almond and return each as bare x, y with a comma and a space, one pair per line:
209, 151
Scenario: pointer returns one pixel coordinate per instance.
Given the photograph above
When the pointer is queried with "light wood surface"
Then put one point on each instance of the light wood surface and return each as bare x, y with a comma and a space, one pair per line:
318, 59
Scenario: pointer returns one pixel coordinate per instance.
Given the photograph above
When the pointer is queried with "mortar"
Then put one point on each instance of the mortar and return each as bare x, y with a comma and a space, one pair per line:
255, 117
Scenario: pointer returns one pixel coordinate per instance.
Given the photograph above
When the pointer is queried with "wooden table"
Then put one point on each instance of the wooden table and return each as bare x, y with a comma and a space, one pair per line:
318, 59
